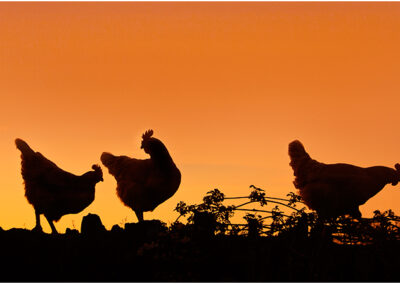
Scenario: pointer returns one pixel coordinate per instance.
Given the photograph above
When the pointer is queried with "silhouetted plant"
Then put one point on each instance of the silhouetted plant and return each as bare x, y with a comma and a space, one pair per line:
212, 204
278, 222
255, 224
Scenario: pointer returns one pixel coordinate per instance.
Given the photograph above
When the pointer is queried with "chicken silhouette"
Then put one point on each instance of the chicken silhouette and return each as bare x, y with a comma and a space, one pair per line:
142, 185
52, 191
337, 189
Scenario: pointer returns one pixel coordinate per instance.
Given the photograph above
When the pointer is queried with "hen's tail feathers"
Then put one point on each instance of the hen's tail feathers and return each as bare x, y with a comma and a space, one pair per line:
296, 149
107, 159
297, 152
23, 147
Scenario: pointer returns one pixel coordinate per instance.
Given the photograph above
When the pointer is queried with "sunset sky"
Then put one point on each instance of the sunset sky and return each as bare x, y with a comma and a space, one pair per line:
226, 87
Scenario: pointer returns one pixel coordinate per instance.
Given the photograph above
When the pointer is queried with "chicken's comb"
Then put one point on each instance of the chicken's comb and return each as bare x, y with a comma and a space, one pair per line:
147, 134
96, 168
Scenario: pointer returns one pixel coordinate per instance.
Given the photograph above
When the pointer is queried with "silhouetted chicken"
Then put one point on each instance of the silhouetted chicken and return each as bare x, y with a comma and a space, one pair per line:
337, 189
142, 185
52, 191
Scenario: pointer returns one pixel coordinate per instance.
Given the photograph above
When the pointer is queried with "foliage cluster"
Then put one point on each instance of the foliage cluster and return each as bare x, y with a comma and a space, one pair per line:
287, 216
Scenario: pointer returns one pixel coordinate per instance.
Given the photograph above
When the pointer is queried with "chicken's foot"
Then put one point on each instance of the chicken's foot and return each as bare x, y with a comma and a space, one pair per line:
53, 228
38, 227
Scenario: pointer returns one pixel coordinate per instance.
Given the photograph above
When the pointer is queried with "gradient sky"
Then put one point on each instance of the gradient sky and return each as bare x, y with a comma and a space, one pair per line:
226, 87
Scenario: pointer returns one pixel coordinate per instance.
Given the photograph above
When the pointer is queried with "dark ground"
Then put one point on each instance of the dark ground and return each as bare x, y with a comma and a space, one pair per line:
149, 252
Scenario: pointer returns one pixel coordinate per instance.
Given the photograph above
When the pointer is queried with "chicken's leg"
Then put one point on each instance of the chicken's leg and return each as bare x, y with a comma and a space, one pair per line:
53, 229
38, 227
139, 215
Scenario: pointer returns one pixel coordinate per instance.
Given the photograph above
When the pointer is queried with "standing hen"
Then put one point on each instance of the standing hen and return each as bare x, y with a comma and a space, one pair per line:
52, 191
142, 185
337, 189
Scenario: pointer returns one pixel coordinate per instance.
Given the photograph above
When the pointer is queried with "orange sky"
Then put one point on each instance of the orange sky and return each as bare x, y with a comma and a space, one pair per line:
226, 86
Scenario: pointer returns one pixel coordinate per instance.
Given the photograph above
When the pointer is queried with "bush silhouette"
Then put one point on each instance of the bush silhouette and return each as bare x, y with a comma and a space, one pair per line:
299, 222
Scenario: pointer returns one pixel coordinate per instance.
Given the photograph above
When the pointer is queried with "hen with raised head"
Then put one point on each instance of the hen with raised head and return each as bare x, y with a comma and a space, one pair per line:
337, 189
142, 185
52, 191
